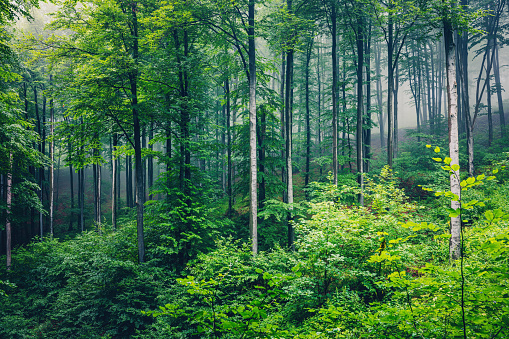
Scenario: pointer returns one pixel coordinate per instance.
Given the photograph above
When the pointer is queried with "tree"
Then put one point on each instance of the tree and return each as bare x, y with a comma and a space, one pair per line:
452, 113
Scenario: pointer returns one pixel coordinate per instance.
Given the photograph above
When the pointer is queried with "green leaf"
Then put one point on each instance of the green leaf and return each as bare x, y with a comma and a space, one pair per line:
455, 167
447, 160
489, 215
437, 159
437, 149
470, 180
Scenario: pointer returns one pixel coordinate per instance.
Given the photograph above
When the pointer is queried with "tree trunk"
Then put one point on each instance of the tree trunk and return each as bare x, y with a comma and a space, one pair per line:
114, 184
253, 204
82, 198
262, 131
498, 86
52, 167
452, 110
8, 229
360, 106
367, 122
390, 85
379, 93
288, 138
99, 179
490, 117
319, 106
41, 169
140, 191
71, 177
282, 118
308, 115
334, 94
229, 146
150, 166
395, 108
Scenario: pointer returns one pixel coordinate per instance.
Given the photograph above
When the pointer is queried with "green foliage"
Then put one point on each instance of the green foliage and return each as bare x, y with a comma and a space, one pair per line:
90, 286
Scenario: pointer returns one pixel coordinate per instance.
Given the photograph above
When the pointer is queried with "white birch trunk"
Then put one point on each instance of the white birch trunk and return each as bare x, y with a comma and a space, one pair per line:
452, 110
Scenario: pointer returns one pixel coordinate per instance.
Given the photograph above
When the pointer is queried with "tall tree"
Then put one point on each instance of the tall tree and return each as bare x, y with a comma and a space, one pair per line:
452, 113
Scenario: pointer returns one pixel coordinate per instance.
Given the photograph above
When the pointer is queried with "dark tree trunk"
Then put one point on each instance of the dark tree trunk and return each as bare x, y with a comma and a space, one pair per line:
8, 229
71, 177
308, 115
360, 105
150, 166
253, 213
140, 189
390, 71
229, 146
498, 86
114, 184
288, 138
334, 94
367, 122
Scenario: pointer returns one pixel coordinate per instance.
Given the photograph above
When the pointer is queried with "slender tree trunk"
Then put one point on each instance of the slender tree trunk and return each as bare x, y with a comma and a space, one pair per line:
150, 166
8, 229
71, 177
390, 71
253, 203
334, 94
114, 184
282, 119
94, 170
319, 106
41, 169
129, 180
360, 106
229, 146
288, 130
262, 131
52, 167
140, 191
379, 93
490, 117
498, 86
395, 108
367, 131
308, 114
99, 179
452, 109
81, 179
433, 84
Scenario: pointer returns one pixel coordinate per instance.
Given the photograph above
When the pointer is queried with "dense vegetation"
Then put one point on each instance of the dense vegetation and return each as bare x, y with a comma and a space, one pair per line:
187, 169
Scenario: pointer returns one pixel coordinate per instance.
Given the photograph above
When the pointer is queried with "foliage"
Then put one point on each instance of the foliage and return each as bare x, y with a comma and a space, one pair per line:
90, 286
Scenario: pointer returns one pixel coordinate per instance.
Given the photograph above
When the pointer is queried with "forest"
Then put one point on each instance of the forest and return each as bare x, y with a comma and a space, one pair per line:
254, 169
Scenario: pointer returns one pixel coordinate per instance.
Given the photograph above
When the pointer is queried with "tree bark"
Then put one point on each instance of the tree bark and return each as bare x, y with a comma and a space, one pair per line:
452, 110
71, 178
8, 229
334, 94
308, 114
367, 122
288, 131
52, 167
390, 85
114, 184
498, 86
140, 191
360, 106
253, 179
